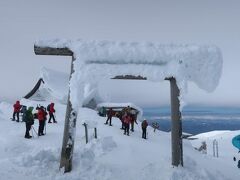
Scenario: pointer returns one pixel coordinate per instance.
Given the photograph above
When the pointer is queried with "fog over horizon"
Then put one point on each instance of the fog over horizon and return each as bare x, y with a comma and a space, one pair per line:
186, 21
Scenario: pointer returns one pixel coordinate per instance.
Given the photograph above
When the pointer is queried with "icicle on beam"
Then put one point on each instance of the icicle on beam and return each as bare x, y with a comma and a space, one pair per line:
69, 133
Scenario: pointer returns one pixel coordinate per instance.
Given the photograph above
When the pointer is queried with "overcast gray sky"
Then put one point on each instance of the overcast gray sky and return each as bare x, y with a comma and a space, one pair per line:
171, 21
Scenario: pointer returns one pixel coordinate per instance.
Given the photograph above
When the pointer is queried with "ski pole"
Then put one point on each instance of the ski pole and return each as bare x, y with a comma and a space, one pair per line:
54, 117
35, 131
45, 127
32, 133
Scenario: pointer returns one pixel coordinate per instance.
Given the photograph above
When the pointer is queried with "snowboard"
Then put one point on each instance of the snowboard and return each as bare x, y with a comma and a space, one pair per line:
236, 141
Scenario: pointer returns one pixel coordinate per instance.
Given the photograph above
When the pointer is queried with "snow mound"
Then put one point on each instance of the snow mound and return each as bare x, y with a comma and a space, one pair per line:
97, 60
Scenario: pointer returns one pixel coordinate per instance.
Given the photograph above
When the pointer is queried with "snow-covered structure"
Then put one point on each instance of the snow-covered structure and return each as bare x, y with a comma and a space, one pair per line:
120, 106
93, 61
53, 86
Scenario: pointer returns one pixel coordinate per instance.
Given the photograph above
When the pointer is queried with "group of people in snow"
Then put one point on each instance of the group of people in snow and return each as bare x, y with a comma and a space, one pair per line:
28, 116
128, 117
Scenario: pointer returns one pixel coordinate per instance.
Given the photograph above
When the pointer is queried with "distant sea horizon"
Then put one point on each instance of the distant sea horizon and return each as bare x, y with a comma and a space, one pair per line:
196, 119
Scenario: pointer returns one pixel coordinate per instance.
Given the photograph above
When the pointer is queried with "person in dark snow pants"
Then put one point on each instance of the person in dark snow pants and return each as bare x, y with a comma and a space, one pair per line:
133, 114
110, 114
29, 120
16, 111
51, 112
42, 116
126, 120
144, 129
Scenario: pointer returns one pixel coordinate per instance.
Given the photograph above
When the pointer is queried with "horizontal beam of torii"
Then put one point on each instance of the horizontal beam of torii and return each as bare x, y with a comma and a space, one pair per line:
67, 148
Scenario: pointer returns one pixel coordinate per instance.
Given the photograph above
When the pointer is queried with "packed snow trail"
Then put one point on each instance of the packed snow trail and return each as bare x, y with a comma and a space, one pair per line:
111, 156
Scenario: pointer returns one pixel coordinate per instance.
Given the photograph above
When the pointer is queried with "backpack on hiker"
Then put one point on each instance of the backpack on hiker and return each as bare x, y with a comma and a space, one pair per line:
48, 107
23, 111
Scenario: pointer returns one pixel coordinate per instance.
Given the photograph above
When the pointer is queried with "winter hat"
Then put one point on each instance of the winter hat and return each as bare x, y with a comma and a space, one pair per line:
30, 108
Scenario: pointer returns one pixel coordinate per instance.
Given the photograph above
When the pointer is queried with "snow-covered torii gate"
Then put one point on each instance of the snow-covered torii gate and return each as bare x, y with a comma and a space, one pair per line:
176, 129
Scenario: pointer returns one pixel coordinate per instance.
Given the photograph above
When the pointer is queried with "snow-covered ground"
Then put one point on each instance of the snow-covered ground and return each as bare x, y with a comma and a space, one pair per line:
112, 156
226, 150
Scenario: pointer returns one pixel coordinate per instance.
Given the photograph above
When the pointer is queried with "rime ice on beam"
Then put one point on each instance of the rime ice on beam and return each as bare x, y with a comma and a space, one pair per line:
199, 64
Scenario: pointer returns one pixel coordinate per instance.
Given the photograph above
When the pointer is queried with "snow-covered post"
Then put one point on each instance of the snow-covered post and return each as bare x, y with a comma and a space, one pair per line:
215, 148
69, 133
177, 151
95, 133
71, 114
86, 132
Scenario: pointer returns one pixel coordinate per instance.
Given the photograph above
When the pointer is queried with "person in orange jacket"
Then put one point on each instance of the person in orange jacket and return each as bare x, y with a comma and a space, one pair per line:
16, 111
42, 116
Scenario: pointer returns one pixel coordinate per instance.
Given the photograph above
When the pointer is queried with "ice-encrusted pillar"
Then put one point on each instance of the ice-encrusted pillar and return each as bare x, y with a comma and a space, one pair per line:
176, 129
69, 132
71, 114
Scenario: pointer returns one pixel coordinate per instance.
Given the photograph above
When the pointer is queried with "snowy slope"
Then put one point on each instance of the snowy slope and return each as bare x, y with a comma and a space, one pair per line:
224, 139
112, 156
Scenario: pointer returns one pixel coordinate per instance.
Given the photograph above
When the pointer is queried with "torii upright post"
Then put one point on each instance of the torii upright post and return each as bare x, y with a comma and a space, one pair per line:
69, 133
71, 114
176, 130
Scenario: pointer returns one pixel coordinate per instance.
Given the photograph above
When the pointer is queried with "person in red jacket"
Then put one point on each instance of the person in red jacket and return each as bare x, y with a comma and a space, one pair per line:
42, 116
51, 112
127, 121
16, 110
144, 129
